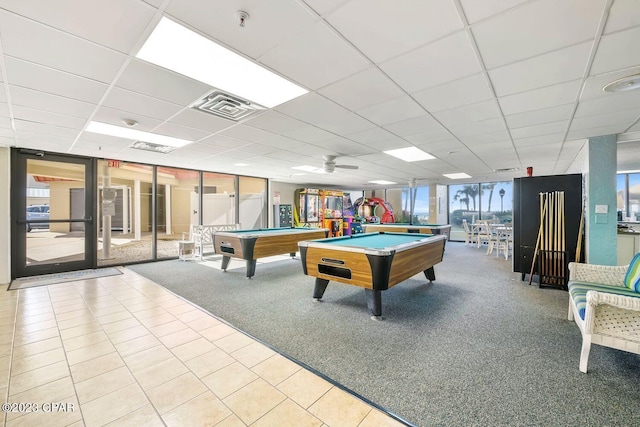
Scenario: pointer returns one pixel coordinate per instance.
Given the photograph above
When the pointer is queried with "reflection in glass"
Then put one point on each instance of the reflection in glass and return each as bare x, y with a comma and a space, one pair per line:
621, 195
252, 211
464, 204
128, 236
634, 197
55, 192
218, 199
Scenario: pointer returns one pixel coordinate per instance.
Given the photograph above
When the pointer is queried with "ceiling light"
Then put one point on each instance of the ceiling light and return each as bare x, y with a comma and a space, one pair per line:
137, 135
630, 171
305, 168
460, 175
382, 182
624, 84
410, 154
179, 49
148, 146
241, 164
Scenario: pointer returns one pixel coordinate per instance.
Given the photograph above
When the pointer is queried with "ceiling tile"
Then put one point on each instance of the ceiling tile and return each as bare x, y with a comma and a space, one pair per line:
539, 99
392, 111
48, 80
362, 89
540, 71
539, 141
323, 7
47, 117
518, 33
275, 122
182, 132
157, 82
415, 70
114, 117
610, 102
623, 14
407, 25
422, 124
315, 58
93, 20
47, 102
309, 134
55, 49
372, 135
202, 121
476, 10
536, 117
477, 129
469, 113
127, 101
538, 130
488, 135
468, 90
625, 118
616, 51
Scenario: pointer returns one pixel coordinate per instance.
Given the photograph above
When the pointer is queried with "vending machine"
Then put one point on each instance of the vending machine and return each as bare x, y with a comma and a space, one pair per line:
283, 216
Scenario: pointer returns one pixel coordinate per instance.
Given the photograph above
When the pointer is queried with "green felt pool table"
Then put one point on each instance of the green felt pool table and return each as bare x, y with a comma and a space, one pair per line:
399, 227
250, 245
374, 261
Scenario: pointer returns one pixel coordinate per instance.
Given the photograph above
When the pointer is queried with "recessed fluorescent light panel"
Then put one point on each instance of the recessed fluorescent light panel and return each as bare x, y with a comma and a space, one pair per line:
630, 171
186, 52
136, 135
148, 146
305, 168
382, 182
241, 164
460, 175
410, 154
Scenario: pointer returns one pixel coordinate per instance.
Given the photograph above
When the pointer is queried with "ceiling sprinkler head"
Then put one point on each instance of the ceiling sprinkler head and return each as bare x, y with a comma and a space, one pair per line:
242, 17
129, 122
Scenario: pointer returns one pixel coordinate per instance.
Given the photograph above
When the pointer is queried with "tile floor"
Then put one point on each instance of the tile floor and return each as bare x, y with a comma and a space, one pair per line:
124, 351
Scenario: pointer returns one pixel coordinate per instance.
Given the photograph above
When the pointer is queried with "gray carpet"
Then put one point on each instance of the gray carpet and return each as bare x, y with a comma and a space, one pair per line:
476, 347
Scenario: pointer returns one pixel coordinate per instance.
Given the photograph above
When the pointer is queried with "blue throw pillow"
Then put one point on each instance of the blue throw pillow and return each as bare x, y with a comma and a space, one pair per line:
632, 278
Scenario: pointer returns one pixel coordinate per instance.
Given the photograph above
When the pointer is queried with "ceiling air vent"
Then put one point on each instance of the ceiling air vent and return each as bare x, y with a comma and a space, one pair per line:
226, 106
150, 146
505, 170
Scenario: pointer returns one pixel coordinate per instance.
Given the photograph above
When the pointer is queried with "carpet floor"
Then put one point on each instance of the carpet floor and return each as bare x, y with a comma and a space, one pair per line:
475, 347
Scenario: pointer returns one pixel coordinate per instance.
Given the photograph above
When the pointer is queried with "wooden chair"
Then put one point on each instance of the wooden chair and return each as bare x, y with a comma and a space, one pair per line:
470, 236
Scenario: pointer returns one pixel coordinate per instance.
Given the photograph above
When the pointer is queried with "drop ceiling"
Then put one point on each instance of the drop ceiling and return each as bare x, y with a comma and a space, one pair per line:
480, 85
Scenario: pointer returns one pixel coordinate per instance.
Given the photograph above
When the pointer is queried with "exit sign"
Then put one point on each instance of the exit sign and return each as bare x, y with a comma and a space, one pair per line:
113, 163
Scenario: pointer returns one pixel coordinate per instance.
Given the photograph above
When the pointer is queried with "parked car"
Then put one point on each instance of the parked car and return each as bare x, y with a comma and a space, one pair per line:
37, 212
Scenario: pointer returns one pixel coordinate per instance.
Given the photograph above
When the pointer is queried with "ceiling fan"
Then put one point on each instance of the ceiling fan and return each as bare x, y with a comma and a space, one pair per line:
329, 165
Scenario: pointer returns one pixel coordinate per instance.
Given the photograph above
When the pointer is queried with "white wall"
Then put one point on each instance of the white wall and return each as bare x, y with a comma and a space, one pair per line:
286, 191
5, 215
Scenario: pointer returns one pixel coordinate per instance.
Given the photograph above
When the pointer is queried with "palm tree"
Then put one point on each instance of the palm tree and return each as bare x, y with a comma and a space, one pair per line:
490, 187
458, 196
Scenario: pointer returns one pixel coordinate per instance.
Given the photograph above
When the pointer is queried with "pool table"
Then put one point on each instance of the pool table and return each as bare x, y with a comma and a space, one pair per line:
410, 228
374, 261
250, 245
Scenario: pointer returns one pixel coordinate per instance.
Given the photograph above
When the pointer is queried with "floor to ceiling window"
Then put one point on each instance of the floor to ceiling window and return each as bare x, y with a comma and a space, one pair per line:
252, 202
218, 199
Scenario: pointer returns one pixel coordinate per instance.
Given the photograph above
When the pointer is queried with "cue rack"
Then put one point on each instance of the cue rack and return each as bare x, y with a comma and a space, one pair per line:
551, 246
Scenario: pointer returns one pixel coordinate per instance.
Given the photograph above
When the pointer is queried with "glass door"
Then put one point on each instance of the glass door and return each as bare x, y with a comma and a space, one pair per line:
52, 213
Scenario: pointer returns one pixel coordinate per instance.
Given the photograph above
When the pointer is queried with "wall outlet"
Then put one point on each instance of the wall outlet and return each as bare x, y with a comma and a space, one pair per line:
602, 209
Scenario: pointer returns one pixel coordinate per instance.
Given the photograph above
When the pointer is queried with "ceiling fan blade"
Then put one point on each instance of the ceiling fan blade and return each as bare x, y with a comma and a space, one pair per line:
347, 166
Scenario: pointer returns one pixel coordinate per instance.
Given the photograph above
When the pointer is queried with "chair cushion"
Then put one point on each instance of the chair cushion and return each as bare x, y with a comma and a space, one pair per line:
632, 278
578, 292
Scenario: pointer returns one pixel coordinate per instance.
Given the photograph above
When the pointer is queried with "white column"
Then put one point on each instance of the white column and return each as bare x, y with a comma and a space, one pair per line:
137, 221
106, 219
167, 208
125, 209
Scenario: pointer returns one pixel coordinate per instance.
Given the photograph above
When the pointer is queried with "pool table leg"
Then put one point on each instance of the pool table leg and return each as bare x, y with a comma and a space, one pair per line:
430, 274
251, 268
225, 262
374, 303
320, 287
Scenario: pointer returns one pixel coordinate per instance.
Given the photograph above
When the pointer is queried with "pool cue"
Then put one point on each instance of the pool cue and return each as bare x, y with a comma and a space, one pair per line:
535, 252
557, 236
564, 242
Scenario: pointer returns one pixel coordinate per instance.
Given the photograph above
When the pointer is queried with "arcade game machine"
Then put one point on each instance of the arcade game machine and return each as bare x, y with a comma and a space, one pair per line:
366, 208
307, 208
331, 212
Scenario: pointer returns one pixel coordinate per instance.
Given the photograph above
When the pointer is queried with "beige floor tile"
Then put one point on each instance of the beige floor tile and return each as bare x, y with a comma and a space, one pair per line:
178, 338
376, 418
74, 314
152, 312
38, 377
65, 308
157, 319
35, 327
253, 354
304, 387
76, 321
147, 357
182, 309
56, 391
203, 323
97, 366
111, 309
6, 338
229, 379
36, 347
175, 392
167, 328
89, 328
141, 306
114, 405
192, 315
231, 421
5, 369
91, 352
27, 318
35, 336
276, 369
63, 414
193, 349
337, 407
84, 340
37, 361
5, 349
102, 384
45, 309
216, 332
160, 373
145, 416
114, 317
254, 400
204, 410
128, 334
209, 362
136, 345
233, 342
121, 325
288, 413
